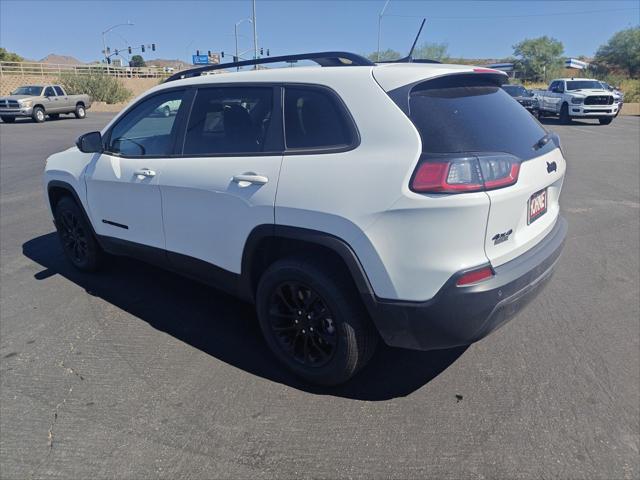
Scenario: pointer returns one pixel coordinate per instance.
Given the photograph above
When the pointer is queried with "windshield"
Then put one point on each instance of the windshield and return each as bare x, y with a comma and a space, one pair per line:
583, 85
468, 115
29, 90
515, 90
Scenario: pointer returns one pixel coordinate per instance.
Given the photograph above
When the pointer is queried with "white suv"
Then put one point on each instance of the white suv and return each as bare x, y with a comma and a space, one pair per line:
417, 203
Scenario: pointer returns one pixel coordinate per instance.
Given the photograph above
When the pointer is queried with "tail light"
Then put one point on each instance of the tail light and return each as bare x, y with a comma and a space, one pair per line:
465, 174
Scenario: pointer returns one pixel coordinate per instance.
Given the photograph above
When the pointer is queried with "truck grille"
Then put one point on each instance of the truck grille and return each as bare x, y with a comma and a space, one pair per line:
9, 104
599, 100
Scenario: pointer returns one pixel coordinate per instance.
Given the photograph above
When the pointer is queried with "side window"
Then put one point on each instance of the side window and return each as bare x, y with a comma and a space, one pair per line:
552, 87
229, 120
48, 92
313, 118
59, 91
148, 129
560, 87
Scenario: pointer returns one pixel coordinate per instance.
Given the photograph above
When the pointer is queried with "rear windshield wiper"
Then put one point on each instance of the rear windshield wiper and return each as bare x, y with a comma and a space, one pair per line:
542, 142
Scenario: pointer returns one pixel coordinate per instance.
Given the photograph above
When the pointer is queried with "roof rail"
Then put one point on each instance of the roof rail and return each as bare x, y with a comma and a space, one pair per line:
324, 59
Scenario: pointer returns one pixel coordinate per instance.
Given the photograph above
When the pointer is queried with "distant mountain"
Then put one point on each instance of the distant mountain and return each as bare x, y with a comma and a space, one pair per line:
60, 60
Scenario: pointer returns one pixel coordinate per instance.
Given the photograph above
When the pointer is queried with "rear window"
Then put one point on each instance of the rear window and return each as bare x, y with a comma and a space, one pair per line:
467, 114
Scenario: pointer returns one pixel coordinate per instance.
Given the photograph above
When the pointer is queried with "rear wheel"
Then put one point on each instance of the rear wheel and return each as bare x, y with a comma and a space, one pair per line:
314, 323
80, 111
76, 237
564, 114
8, 119
38, 115
605, 120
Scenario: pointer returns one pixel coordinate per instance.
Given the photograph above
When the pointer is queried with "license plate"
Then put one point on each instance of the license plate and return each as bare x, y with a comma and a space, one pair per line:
537, 206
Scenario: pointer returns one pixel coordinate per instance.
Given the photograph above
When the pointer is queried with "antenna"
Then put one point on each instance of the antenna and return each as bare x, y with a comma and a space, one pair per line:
424, 20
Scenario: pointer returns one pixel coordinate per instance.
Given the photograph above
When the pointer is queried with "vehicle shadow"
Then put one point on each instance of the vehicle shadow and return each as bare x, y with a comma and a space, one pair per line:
226, 328
556, 121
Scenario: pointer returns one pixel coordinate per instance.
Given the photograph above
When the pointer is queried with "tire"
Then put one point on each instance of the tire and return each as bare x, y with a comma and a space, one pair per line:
54, 116
76, 236
8, 119
80, 111
605, 120
565, 119
38, 115
314, 322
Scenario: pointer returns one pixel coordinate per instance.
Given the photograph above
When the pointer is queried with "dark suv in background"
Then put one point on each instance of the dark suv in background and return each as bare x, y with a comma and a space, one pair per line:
525, 97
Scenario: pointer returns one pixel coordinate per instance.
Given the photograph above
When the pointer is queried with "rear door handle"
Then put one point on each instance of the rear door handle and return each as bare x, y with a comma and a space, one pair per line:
250, 177
145, 172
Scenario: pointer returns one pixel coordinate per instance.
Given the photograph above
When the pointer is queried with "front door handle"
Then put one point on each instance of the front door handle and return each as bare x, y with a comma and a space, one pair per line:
250, 177
145, 172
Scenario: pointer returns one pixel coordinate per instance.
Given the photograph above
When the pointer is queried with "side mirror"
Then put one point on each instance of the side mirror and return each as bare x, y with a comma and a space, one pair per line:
90, 142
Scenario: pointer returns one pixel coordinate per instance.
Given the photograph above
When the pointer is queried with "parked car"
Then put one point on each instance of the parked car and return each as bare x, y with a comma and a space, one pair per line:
618, 95
348, 202
40, 101
524, 97
577, 98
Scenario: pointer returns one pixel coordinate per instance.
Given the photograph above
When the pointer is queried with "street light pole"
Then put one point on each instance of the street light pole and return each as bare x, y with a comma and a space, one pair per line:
255, 35
386, 4
104, 42
235, 31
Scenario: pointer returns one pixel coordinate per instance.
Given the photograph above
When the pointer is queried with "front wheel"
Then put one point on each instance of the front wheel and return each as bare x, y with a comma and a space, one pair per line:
76, 237
565, 119
8, 119
80, 111
605, 120
38, 115
314, 324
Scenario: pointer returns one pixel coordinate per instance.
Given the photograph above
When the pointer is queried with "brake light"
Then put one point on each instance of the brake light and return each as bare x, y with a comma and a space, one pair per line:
475, 276
465, 174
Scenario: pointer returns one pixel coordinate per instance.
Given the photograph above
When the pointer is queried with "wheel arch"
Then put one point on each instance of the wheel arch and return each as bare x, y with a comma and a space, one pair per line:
269, 243
56, 189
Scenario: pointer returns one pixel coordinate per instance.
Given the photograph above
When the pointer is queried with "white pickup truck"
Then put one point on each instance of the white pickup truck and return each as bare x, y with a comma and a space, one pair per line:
577, 97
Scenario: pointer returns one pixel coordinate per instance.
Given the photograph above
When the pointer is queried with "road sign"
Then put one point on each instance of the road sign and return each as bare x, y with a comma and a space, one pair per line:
200, 59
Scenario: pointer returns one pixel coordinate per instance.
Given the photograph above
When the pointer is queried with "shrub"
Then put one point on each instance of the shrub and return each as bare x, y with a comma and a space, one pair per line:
102, 88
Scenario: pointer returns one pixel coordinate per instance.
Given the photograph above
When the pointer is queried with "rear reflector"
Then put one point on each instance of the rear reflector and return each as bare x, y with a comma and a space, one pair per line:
475, 276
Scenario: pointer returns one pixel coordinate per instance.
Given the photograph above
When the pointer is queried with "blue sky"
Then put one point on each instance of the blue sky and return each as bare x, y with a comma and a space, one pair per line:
471, 29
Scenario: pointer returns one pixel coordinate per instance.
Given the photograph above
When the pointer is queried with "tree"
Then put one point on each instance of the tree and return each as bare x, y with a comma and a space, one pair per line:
538, 57
6, 56
385, 55
622, 51
137, 61
432, 51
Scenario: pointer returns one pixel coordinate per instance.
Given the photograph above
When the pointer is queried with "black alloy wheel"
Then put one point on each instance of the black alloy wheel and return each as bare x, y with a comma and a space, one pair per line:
303, 324
74, 237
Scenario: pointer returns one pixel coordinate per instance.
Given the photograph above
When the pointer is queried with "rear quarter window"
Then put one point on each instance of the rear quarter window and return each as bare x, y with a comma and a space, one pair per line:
458, 115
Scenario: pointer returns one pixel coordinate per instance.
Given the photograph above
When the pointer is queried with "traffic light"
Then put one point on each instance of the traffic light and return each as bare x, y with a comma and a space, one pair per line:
108, 50
116, 52
129, 50
197, 53
261, 51
222, 54
208, 53
142, 46
153, 47
108, 60
267, 52
235, 59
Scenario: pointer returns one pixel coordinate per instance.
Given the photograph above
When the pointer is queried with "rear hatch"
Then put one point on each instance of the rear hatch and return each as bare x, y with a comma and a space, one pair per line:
477, 137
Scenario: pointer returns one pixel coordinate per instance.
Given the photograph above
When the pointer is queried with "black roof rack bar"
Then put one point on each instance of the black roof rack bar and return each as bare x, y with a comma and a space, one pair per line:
410, 60
325, 59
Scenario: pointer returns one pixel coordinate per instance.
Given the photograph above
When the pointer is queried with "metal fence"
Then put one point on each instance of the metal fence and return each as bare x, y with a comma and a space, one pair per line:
42, 69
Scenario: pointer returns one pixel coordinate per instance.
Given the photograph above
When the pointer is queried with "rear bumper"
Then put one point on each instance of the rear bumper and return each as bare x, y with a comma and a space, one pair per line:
459, 316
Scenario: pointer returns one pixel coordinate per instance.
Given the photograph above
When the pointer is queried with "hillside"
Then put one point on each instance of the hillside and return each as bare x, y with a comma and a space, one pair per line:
60, 60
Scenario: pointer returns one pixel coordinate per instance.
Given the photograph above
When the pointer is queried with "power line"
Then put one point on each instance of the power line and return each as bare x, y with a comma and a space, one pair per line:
487, 17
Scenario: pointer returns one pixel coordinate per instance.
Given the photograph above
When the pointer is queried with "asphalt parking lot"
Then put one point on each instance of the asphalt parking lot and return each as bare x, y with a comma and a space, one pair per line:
138, 373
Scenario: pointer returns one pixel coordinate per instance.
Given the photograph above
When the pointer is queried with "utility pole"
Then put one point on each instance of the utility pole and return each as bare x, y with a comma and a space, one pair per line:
386, 4
235, 31
255, 35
